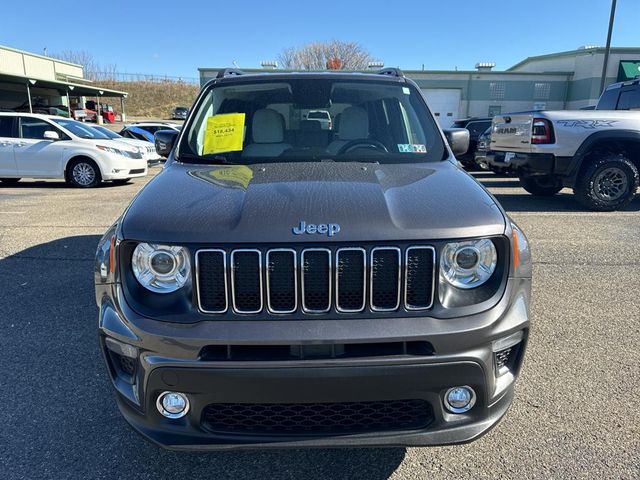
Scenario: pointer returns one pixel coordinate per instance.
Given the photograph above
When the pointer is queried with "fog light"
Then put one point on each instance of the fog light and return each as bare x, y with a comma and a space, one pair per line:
173, 404
459, 399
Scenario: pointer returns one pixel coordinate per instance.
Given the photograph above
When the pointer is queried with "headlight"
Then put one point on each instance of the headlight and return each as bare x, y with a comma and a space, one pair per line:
104, 148
161, 268
468, 264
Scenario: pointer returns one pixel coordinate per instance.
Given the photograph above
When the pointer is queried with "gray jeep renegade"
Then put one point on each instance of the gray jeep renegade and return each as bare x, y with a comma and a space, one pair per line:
283, 284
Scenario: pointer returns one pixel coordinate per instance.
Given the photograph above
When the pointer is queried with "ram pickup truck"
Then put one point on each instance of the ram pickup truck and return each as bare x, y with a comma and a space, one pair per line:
597, 152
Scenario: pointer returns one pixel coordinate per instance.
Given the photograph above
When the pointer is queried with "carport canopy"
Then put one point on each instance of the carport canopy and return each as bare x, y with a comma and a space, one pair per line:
65, 88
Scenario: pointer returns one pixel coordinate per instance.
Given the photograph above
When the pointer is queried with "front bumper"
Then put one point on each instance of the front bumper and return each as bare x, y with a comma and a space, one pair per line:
125, 169
169, 359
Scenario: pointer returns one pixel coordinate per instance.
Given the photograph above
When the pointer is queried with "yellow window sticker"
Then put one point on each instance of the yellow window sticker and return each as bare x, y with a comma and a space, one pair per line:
224, 133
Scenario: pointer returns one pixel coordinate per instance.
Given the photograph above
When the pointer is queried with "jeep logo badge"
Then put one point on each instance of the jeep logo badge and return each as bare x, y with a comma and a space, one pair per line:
329, 229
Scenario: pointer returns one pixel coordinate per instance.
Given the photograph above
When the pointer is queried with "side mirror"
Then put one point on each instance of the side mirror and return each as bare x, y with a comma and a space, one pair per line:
458, 139
164, 140
51, 135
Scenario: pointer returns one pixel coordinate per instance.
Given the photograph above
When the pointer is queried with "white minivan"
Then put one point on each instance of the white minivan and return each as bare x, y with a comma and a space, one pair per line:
43, 146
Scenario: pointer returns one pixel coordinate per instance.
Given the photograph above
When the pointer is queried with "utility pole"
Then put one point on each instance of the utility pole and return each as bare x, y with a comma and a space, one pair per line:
605, 64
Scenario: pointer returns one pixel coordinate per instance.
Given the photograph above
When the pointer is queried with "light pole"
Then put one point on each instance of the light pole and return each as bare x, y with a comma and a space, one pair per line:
605, 64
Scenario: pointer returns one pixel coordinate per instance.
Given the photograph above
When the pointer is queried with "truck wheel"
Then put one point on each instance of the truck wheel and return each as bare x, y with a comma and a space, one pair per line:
9, 181
608, 183
544, 186
83, 173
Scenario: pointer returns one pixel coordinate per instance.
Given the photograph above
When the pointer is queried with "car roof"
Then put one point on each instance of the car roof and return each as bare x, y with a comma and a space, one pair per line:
473, 119
152, 123
37, 115
283, 76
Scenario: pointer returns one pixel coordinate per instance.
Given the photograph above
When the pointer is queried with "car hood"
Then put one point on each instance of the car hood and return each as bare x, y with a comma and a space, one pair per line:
263, 203
133, 141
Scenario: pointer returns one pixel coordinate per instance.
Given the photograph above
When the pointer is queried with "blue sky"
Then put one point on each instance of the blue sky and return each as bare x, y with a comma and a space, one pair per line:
176, 37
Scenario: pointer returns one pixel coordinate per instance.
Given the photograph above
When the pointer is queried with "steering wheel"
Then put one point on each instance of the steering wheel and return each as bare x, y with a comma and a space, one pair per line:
362, 142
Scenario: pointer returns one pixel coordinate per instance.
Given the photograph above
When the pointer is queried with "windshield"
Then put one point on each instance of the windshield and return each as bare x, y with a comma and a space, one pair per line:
80, 129
107, 132
278, 121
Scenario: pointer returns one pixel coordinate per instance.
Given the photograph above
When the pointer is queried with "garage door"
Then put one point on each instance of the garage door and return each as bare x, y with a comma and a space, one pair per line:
444, 103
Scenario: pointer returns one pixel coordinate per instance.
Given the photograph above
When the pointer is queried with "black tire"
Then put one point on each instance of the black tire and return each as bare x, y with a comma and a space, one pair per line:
121, 181
543, 186
9, 181
83, 173
607, 182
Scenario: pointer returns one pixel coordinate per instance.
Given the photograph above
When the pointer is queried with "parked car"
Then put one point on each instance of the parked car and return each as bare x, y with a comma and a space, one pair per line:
476, 127
43, 109
597, 152
483, 146
259, 292
321, 116
179, 113
148, 151
145, 130
41, 146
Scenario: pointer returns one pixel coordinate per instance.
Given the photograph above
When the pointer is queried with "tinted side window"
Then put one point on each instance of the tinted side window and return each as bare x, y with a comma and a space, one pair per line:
608, 100
6, 127
34, 128
629, 99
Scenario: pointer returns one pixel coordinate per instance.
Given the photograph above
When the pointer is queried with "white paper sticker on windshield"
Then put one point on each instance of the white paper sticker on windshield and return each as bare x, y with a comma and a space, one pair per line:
406, 90
411, 148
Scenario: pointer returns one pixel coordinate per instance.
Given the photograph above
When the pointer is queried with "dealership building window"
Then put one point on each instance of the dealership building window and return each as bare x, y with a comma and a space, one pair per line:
541, 90
496, 90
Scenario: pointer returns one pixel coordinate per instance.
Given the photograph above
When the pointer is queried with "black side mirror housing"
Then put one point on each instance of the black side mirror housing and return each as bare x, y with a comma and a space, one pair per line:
164, 140
458, 139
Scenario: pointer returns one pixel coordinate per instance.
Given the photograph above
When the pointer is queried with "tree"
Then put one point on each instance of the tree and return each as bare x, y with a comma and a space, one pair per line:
92, 69
333, 55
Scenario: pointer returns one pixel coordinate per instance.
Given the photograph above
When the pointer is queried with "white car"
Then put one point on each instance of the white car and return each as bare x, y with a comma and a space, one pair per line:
148, 151
43, 146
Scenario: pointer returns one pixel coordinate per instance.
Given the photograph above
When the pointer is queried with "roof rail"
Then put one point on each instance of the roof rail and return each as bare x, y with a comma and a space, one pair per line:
392, 71
227, 72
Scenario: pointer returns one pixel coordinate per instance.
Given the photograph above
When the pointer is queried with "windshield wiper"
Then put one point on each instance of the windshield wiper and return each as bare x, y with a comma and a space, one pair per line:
213, 159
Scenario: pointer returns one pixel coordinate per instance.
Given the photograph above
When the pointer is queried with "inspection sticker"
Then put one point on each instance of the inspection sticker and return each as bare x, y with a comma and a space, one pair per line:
224, 133
411, 148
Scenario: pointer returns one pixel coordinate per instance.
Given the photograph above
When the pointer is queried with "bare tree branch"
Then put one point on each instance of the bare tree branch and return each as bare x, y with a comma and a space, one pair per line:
334, 54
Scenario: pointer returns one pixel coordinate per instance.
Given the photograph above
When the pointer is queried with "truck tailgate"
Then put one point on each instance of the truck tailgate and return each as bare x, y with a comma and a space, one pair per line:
512, 132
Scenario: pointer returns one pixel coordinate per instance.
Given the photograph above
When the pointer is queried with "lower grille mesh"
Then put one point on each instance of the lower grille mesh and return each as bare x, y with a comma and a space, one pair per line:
317, 418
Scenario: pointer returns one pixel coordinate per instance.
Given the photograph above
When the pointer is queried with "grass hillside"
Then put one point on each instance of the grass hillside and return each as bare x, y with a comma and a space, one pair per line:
152, 99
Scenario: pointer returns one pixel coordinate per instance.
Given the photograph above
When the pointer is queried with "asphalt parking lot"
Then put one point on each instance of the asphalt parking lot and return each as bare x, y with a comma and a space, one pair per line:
576, 409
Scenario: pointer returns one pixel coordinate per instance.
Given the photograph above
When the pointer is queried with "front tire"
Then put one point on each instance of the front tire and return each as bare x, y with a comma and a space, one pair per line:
609, 182
543, 186
83, 173
9, 181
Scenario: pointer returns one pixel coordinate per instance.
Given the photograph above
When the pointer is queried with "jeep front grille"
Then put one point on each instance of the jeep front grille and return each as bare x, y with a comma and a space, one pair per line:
315, 280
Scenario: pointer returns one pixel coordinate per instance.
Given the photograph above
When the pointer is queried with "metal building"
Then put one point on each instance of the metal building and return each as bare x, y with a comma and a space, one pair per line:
565, 80
31, 82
